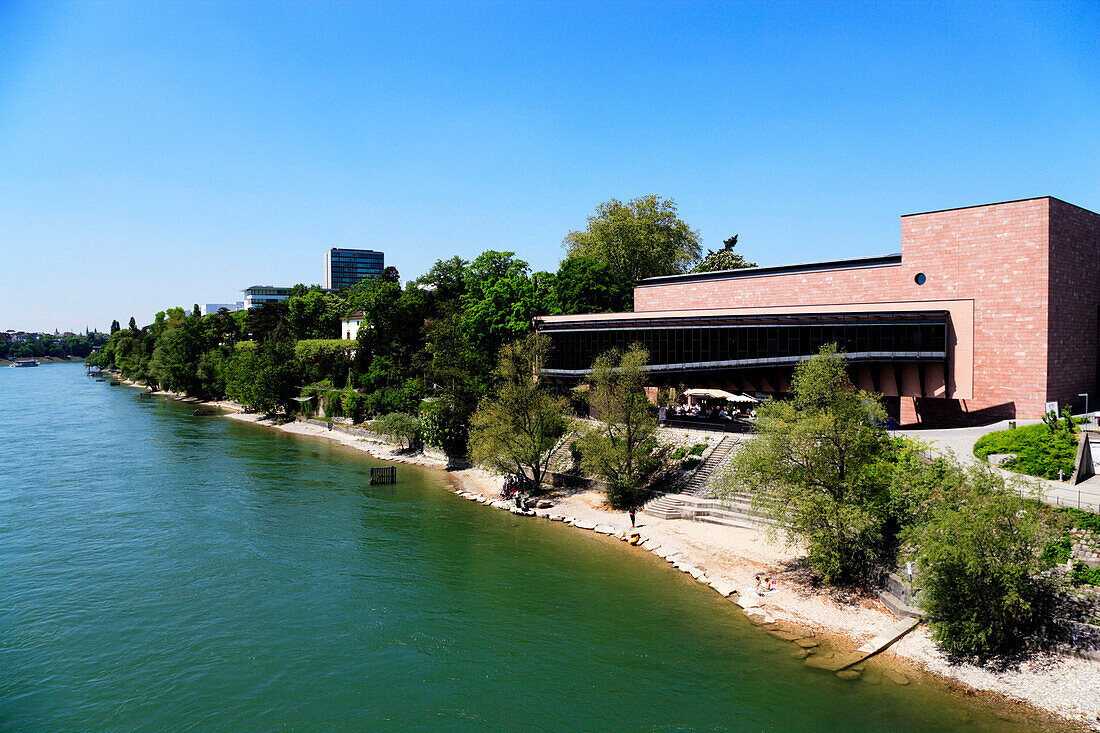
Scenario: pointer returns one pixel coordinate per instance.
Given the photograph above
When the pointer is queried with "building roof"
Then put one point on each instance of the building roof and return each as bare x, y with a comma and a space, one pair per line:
846, 264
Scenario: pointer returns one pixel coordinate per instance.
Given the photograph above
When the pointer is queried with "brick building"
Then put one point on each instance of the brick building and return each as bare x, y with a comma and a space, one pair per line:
989, 312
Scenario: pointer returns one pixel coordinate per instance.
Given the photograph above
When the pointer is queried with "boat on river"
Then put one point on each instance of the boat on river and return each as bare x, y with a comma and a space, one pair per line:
24, 363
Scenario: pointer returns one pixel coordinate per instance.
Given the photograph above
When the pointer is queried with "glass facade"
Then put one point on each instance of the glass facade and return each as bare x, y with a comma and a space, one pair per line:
687, 344
347, 267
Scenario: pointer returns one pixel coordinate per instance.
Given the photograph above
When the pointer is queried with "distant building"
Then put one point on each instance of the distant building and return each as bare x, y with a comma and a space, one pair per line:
349, 327
215, 307
257, 295
347, 267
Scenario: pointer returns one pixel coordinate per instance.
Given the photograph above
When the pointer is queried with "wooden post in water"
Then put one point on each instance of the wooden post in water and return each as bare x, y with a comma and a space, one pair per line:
383, 475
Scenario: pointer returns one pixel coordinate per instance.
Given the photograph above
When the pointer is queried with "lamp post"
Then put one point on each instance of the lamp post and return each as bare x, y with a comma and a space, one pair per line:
1086, 396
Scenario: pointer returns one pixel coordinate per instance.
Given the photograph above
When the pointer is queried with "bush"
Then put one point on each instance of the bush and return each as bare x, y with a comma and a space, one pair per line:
400, 427
442, 427
1082, 574
678, 454
983, 584
698, 449
1040, 450
1080, 519
689, 463
1057, 551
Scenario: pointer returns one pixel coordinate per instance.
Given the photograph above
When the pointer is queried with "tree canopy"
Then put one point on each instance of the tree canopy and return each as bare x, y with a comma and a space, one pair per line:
816, 467
520, 421
621, 447
642, 238
723, 259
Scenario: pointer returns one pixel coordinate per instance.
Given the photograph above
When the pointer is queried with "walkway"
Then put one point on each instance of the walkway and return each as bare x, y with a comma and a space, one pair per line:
1085, 495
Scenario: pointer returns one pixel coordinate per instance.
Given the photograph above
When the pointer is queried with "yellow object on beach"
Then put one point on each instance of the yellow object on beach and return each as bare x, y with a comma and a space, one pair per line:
635, 538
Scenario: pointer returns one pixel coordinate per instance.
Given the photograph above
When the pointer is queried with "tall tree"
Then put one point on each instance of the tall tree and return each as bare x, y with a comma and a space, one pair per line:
620, 449
817, 466
641, 238
115, 328
589, 285
724, 259
133, 325
518, 425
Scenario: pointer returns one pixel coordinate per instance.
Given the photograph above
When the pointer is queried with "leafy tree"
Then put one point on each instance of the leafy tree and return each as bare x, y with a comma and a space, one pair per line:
115, 328
723, 259
262, 321
590, 285
641, 238
517, 426
446, 280
456, 367
275, 379
620, 449
314, 314
400, 427
820, 467
501, 299
980, 553
133, 325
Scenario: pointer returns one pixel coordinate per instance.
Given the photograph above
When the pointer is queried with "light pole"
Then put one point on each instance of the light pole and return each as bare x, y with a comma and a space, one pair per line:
1086, 396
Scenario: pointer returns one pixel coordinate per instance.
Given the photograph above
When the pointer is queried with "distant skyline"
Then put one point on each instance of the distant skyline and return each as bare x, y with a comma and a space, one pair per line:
155, 155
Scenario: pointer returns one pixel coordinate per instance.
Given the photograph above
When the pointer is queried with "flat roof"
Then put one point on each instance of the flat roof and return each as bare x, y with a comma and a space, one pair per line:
889, 260
997, 203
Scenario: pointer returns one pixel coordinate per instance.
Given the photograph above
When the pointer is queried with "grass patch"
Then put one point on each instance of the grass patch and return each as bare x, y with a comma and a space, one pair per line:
698, 448
1039, 450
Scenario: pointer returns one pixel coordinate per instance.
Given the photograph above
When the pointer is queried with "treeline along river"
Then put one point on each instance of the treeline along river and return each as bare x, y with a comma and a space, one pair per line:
159, 570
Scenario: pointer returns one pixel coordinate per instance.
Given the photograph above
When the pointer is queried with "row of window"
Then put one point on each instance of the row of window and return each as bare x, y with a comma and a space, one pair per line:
575, 350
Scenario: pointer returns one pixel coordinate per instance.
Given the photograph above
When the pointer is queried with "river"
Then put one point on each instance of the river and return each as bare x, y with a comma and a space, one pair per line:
159, 570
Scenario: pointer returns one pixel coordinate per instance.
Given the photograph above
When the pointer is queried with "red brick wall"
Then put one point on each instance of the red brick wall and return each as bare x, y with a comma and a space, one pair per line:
1074, 298
996, 255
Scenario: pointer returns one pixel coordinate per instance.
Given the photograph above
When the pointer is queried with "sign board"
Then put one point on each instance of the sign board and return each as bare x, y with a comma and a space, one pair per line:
1051, 407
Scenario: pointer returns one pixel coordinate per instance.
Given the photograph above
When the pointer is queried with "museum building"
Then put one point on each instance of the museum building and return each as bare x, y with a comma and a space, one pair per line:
989, 312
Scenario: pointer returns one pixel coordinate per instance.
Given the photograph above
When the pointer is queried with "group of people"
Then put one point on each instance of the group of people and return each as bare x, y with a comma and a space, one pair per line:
765, 585
510, 490
721, 412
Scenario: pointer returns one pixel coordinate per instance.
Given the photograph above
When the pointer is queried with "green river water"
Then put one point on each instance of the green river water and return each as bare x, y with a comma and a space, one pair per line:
163, 571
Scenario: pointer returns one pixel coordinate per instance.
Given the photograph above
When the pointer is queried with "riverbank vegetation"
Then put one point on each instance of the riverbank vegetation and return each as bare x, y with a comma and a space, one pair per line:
824, 467
426, 348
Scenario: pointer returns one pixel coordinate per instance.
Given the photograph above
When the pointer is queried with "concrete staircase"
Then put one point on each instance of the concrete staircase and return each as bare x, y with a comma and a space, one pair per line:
735, 511
697, 484
664, 507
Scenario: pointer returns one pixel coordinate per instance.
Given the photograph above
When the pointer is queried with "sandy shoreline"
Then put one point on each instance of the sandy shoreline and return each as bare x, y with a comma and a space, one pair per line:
728, 558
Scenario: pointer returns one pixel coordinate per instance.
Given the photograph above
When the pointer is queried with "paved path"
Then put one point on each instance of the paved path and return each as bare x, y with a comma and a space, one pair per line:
1085, 495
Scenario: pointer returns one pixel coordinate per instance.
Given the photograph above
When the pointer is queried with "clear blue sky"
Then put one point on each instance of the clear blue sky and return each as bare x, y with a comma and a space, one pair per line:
160, 154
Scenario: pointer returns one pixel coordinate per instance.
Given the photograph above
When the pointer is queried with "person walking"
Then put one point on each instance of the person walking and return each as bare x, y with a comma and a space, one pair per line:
631, 512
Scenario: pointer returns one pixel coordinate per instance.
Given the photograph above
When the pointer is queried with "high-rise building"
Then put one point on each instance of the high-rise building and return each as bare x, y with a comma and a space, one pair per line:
347, 267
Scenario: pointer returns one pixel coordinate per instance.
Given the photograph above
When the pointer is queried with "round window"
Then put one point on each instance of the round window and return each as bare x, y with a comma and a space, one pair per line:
920, 278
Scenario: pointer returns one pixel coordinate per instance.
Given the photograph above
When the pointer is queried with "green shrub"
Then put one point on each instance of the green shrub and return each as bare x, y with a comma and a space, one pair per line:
1040, 449
698, 448
678, 454
1057, 551
689, 463
1082, 574
399, 427
442, 427
1080, 519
